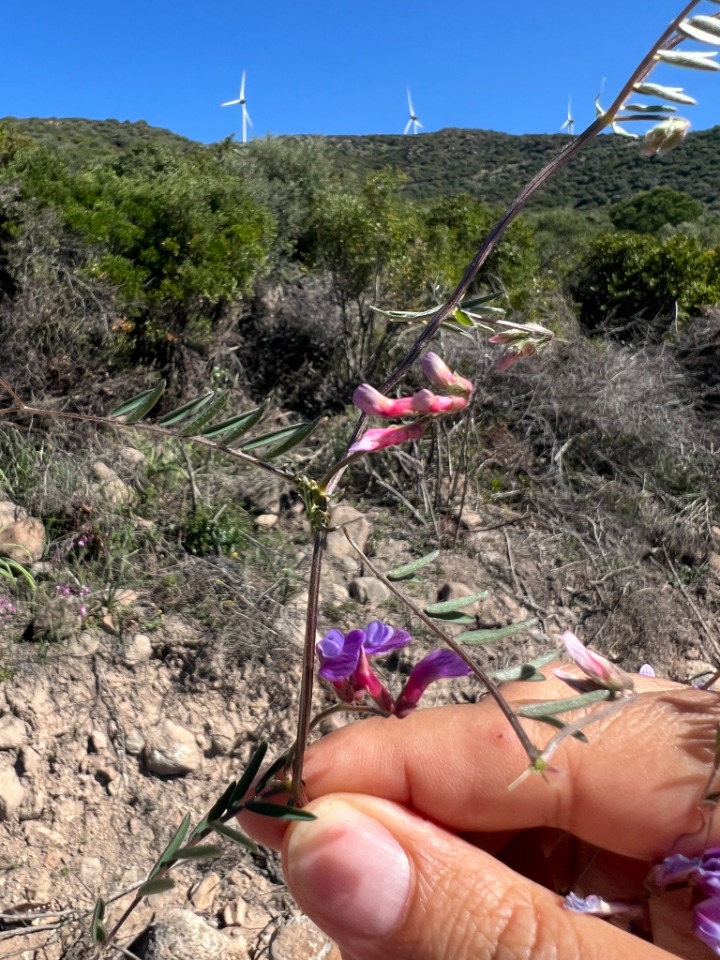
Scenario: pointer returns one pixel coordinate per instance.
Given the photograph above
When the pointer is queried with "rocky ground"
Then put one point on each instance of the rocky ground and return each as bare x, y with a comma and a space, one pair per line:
112, 733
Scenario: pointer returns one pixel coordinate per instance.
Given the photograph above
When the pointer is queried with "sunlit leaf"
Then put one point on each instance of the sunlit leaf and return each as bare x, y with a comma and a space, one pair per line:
274, 436
139, 406
186, 410
552, 707
297, 436
173, 846
233, 835
454, 617
650, 108
525, 672
206, 851
230, 430
408, 570
692, 29
98, 930
490, 636
195, 425
447, 606
158, 885
674, 94
278, 812
693, 60
275, 767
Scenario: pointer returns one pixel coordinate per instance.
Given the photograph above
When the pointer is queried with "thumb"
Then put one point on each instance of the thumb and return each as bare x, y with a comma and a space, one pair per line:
382, 882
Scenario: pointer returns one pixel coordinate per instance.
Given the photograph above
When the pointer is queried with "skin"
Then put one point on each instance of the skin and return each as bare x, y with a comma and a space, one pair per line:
480, 862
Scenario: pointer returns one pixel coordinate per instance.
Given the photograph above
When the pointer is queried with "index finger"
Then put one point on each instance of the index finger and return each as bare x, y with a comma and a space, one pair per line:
634, 789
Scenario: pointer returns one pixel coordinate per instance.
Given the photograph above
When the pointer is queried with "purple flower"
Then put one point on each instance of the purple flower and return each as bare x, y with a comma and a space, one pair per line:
438, 665
595, 906
344, 660
707, 923
702, 872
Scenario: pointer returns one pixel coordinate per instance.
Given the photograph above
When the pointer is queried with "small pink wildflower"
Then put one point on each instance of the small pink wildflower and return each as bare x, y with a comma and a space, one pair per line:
381, 437
603, 673
376, 404
440, 375
425, 401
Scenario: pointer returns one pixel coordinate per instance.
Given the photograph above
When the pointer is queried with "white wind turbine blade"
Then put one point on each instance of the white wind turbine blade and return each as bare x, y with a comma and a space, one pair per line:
229, 103
417, 124
408, 125
242, 88
410, 104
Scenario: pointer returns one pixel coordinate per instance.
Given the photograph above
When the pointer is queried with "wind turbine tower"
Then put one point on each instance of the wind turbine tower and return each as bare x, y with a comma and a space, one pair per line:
569, 124
413, 124
246, 121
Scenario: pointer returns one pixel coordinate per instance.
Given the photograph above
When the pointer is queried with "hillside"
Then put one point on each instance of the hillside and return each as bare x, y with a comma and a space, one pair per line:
490, 165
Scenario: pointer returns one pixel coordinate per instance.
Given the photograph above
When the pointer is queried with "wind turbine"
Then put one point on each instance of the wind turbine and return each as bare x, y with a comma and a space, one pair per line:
413, 123
569, 124
243, 103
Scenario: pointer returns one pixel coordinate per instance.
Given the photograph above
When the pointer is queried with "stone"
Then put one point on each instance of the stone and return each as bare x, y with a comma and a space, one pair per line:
180, 935
22, 538
171, 750
203, 893
222, 737
357, 526
12, 793
131, 457
58, 620
85, 644
110, 487
266, 520
13, 733
300, 939
368, 590
138, 649
134, 742
234, 913
98, 741
30, 762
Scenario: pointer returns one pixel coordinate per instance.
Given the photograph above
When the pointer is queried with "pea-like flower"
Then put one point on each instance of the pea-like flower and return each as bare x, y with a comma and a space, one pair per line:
707, 923
344, 662
438, 665
702, 871
378, 438
440, 375
600, 671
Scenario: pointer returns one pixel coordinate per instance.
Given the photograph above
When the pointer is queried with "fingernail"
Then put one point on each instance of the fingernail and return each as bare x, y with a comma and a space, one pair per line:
348, 873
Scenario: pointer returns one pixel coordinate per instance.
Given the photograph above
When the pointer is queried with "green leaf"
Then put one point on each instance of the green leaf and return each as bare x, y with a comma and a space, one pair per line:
230, 430
299, 434
674, 94
158, 885
206, 851
275, 435
478, 301
551, 707
216, 810
186, 410
650, 108
194, 426
560, 725
525, 672
447, 606
693, 60
233, 835
462, 319
274, 768
408, 570
246, 780
452, 616
278, 812
490, 636
173, 846
139, 406
98, 931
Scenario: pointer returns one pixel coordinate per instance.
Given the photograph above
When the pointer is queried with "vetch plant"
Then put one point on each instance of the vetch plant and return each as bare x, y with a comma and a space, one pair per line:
344, 658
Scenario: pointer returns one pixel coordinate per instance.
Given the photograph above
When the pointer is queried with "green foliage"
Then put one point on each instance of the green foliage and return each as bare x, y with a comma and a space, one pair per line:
630, 277
649, 212
210, 532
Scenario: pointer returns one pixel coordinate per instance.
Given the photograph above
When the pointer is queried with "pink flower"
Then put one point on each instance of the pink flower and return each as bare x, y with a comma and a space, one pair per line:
511, 357
381, 437
376, 404
438, 665
425, 401
603, 673
440, 375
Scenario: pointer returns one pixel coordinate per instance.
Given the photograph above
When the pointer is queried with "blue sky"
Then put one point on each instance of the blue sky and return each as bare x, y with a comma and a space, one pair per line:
331, 66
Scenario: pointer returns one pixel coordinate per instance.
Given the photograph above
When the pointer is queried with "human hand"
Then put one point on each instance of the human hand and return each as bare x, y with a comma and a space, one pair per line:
415, 818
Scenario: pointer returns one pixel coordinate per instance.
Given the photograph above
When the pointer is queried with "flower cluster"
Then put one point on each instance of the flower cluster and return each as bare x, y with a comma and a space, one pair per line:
600, 672
344, 662
702, 872
422, 404
69, 592
7, 609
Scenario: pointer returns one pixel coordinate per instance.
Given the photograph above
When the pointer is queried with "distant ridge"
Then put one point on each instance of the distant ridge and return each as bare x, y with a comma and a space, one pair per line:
490, 165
